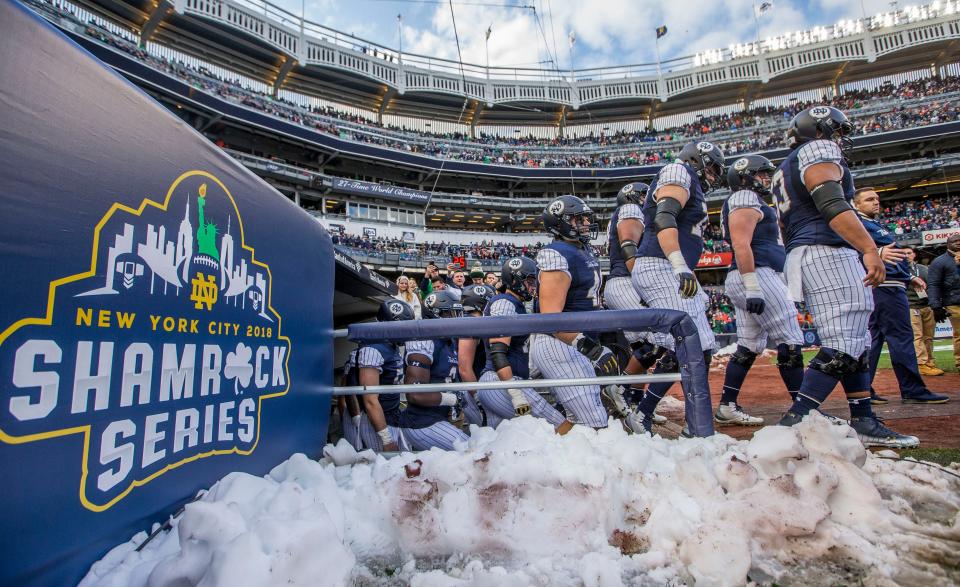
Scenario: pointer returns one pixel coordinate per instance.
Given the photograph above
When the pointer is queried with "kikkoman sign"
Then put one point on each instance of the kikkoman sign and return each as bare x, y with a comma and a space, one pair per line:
169, 330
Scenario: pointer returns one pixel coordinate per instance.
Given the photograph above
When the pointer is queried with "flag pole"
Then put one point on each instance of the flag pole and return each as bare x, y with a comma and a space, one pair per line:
657, 43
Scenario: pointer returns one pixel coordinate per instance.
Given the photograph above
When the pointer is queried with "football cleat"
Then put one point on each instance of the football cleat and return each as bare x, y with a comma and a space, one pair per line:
732, 414
872, 432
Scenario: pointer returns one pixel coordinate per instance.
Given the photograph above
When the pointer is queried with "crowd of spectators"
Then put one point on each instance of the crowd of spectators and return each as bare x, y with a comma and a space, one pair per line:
910, 218
480, 252
754, 129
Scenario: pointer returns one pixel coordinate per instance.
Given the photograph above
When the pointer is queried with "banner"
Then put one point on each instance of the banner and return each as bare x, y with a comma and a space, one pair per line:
387, 192
157, 330
715, 260
936, 237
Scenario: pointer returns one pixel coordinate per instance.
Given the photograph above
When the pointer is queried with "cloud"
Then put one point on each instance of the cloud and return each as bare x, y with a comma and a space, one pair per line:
608, 32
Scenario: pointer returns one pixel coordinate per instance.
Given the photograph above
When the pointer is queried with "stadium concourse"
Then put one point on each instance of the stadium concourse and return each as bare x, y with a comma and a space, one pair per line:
424, 324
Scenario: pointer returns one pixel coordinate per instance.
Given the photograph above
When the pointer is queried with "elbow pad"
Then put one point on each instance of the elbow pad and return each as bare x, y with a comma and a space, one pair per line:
830, 200
628, 249
498, 355
667, 211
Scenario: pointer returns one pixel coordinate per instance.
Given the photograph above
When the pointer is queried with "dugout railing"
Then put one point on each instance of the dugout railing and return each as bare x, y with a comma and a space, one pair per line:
692, 373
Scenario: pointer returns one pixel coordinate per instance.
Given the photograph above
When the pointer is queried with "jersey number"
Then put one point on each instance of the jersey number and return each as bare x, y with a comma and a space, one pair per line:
697, 229
779, 194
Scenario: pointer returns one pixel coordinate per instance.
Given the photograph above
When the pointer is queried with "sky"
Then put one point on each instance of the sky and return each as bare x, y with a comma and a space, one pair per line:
525, 33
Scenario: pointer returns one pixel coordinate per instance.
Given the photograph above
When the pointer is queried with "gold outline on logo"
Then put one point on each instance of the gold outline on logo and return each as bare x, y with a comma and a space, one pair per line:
48, 321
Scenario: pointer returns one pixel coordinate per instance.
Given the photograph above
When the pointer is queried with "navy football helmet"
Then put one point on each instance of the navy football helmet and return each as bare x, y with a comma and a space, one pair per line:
519, 275
394, 310
703, 156
821, 122
742, 175
632, 193
568, 217
475, 297
442, 304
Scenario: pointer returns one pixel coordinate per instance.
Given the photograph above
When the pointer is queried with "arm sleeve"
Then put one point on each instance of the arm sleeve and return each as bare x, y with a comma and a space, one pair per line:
370, 358
630, 212
674, 174
502, 308
551, 260
419, 347
819, 151
744, 199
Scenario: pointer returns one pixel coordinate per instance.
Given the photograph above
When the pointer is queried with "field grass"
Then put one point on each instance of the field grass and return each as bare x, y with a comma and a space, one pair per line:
943, 358
940, 456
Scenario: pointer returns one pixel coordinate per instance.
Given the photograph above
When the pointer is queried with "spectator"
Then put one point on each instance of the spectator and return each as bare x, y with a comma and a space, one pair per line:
492, 279
405, 292
921, 319
431, 275
943, 288
476, 275
459, 278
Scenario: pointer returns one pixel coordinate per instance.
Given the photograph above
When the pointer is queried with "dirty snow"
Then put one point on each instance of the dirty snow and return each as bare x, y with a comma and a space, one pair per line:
521, 506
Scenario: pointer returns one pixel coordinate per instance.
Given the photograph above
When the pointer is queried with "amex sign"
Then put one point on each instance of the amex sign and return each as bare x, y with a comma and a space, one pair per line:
166, 315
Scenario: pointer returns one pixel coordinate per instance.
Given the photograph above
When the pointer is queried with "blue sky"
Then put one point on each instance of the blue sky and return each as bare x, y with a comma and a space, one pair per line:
608, 32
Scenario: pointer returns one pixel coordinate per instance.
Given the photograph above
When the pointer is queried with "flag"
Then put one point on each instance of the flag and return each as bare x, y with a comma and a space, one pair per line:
489, 30
764, 7
572, 38
661, 31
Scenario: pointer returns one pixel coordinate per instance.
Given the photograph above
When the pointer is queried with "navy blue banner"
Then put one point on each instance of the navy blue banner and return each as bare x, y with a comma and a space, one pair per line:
166, 319
376, 190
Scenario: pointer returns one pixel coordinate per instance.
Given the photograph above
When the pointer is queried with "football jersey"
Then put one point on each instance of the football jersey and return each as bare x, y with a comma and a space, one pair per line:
897, 273
803, 224
506, 305
618, 265
691, 220
385, 358
583, 268
443, 369
767, 244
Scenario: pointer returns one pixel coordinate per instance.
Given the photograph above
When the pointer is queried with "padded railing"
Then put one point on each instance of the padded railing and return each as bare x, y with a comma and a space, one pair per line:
679, 325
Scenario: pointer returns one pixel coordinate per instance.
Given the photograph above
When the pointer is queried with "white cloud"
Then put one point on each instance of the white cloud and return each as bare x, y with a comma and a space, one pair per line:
608, 32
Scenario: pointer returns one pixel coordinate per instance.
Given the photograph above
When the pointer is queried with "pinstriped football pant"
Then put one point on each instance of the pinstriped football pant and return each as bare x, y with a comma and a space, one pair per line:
497, 404
371, 439
555, 359
836, 297
658, 286
778, 322
619, 294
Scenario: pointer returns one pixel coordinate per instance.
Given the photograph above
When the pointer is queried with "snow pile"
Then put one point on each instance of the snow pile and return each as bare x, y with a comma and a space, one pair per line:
522, 506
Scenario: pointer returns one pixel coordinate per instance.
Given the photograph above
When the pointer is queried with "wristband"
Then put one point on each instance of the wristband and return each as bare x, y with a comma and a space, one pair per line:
385, 436
750, 281
679, 264
448, 399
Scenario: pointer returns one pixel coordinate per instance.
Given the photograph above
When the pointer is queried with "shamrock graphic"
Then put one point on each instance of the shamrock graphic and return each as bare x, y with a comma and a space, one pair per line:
238, 367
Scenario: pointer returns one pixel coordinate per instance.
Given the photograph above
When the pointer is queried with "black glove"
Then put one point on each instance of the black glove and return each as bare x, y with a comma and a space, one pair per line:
940, 314
756, 305
688, 285
604, 361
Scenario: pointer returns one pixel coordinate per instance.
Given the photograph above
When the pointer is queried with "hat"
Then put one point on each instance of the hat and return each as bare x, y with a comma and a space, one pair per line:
476, 272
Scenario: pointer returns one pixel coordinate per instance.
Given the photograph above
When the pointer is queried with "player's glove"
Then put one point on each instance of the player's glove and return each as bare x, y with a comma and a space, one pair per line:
688, 283
520, 404
604, 361
753, 293
940, 314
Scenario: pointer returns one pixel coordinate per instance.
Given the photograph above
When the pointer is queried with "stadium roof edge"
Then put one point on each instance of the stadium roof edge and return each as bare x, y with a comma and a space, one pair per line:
339, 67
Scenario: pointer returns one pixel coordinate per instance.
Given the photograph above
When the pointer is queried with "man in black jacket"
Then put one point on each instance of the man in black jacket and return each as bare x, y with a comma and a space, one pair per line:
943, 288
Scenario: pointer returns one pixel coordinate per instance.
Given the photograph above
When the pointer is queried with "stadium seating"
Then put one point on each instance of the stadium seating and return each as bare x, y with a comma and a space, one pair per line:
884, 108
